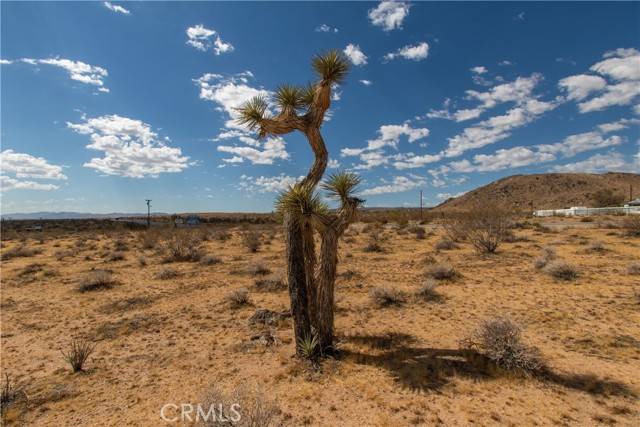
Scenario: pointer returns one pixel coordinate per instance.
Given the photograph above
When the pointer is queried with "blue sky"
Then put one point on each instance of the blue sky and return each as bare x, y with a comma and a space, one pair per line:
107, 104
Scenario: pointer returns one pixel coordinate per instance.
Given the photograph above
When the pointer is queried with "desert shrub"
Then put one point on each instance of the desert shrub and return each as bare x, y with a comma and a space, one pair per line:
597, 247
115, 256
120, 245
167, 273
586, 219
309, 346
274, 283
254, 407
631, 225
486, 227
238, 297
149, 239
384, 297
499, 339
607, 197
31, 269
9, 395
222, 235
210, 260
20, 251
541, 228
453, 227
183, 247
548, 255
251, 241
258, 269
266, 317
441, 271
428, 291
445, 244
78, 353
418, 231
633, 268
375, 242
97, 280
561, 270
142, 261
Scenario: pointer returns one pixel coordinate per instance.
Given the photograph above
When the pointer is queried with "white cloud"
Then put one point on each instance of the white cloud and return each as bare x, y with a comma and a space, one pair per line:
416, 52
324, 28
27, 166
5, 62
412, 161
78, 70
580, 86
587, 141
502, 159
399, 184
333, 164
366, 82
389, 14
203, 39
505, 63
258, 152
479, 70
22, 166
519, 17
610, 162
271, 184
620, 65
115, 8
8, 184
445, 196
130, 148
355, 55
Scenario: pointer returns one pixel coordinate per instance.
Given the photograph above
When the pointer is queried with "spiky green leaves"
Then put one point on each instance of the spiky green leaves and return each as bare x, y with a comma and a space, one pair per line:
332, 66
300, 201
252, 112
341, 185
289, 97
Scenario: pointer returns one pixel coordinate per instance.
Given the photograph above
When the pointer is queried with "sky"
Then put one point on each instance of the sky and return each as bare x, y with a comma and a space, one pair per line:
106, 104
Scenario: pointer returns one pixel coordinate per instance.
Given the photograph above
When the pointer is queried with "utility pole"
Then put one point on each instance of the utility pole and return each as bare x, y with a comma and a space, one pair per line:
148, 212
420, 205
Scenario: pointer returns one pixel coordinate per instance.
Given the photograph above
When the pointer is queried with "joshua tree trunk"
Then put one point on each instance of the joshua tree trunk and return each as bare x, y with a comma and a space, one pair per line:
311, 281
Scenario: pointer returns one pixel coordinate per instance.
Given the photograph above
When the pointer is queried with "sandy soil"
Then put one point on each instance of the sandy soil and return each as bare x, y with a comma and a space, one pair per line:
167, 341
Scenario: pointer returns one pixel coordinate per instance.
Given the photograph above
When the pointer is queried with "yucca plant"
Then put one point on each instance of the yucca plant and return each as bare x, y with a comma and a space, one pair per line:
309, 346
78, 353
310, 276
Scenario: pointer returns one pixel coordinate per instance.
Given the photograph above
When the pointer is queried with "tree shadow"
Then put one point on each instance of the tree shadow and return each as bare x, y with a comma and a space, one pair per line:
430, 369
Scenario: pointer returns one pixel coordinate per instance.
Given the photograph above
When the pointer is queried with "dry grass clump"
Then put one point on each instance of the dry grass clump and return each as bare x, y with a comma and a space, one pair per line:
9, 395
428, 291
258, 269
31, 269
97, 280
251, 240
120, 245
243, 407
20, 251
167, 273
385, 297
418, 231
631, 225
442, 271
270, 284
238, 298
221, 235
149, 239
115, 256
183, 247
633, 268
445, 244
78, 353
210, 260
548, 255
499, 339
375, 242
596, 247
562, 270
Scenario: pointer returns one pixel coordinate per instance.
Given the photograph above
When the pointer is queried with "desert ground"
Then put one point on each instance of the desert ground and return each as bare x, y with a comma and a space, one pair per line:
167, 330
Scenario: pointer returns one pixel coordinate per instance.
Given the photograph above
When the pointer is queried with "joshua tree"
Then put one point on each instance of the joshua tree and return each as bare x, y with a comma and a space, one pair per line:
311, 278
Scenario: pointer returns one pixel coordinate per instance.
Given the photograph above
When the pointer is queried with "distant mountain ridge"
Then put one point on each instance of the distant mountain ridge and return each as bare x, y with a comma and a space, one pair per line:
74, 215
545, 191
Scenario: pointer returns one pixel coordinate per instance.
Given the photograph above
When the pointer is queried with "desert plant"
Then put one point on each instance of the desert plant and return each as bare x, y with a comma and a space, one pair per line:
428, 291
442, 271
222, 235
631, 225
445, 244
238, 297
548, 254
384, 297
167, 273
270, 284
243, 407
309, 346
115, 256
78, 353
607, 197
183, 247
210, 260
20, 251
633, 268
486, 227
258, 269
311, 279
251, 240
96, 280
418, 231
597, 247
375, 242
499, 339
149, 239
562, 271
